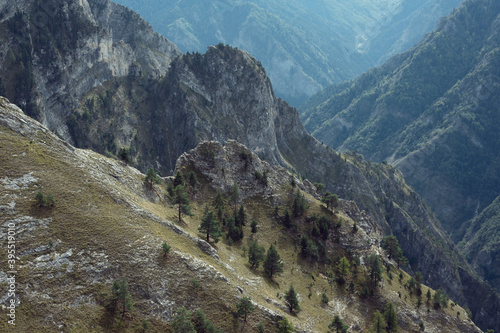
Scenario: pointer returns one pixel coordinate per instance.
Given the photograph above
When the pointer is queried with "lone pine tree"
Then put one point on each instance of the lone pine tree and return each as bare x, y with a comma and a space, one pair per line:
210, 226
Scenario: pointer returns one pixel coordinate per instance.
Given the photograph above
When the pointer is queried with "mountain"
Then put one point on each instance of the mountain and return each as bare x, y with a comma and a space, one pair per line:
304, 45
431, 112
219, 96
108, 225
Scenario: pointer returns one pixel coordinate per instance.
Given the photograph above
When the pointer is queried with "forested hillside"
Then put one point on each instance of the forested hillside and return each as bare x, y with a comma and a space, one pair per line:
433, 112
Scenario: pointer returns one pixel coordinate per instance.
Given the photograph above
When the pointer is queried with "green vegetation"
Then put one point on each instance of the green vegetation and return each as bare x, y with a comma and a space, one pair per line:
121, 297
45, 201
210, 226
337, 325
152, 177
391, 318
379, 324
244, 308
256, 253
165, 248
182, 321
272, 264
180, 198
291, 300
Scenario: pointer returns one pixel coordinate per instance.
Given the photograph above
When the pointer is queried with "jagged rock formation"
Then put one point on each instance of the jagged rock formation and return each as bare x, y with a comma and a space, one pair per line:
104, 228
54, 52
225, 94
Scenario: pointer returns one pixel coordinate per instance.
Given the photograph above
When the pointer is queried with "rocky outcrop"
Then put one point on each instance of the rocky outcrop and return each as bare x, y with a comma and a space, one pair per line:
55, 52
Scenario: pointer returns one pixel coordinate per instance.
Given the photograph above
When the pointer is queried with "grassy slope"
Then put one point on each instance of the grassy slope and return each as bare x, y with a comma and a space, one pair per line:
114, 228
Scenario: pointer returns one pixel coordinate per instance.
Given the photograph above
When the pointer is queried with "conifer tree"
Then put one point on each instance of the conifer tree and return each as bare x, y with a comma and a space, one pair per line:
219, 205
284, 326
272, 264
338, 325
121, 296
179, 179
182, 322
291, 300
374, 270
234, 194
256, 253
253, 226
378, 323
244, 307
287, 221
152, 177
181, 199
391, 318
331, 200
343, 268
166, 248
210, 226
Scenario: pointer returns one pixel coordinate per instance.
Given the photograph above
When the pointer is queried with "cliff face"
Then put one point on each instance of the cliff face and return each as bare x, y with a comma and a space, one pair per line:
55, 52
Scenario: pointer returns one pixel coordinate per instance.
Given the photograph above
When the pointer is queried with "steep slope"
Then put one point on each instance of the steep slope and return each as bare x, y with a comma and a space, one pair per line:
303, 45
54, 52
225, 94
481, 243
432, 112
108, 225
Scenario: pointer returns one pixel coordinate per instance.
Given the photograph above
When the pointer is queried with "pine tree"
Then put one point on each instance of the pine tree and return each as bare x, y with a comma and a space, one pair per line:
272, 264
338, 325
193, 180
181, 199
284, 326
121, 296
182, 322
210, 226
391, 318
240, 217
343, 268
234, 194
378, 323
152, 177
166, 249
256, 253
287, 221
374, 271
244, 307
331, 200
291, 300
253, 226
179, 179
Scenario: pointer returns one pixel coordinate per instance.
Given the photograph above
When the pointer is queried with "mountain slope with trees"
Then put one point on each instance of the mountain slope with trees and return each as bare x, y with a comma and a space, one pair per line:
304, 45
96, 260
150, 118
432, 112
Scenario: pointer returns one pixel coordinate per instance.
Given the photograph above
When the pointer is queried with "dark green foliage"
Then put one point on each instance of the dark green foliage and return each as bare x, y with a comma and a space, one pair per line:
45, 201
182, 321
179, 179
253, 227
193, 180
319, 187
324, 299
308, 248
244, 308
343, 269
337, 325
440, 300
284, 326
180, 198
234, 232
124, 155
272, 264
234, 195
219, 205
299, 206
421, 326
331, 200
152, 177
145, 325
256, 253
121, 296
379, 324
262, 177
374, 267
391, 245
391, 318
261, 328
291, 300
165, 248
287, 220
210, 226
240, 217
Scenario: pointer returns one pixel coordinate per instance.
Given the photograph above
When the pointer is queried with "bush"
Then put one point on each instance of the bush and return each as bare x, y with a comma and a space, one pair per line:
45, 201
